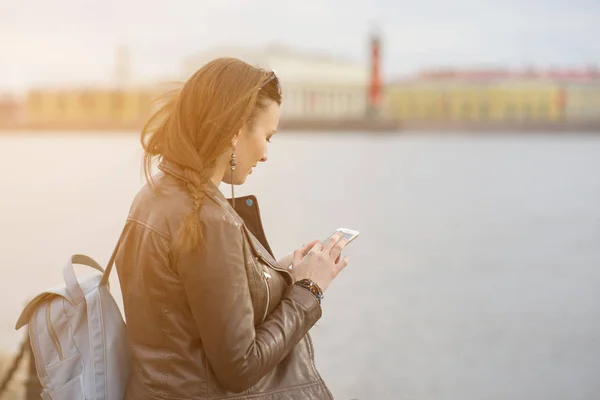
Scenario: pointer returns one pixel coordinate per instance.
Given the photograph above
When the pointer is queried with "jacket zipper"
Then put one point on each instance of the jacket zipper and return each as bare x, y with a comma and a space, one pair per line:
275, 266
256, 248
267, 276
52, 333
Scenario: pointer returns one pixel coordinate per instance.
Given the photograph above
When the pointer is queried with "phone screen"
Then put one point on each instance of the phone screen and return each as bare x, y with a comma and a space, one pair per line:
348, 234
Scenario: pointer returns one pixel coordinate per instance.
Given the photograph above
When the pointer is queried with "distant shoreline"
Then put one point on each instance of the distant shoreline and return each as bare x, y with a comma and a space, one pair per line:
347, 126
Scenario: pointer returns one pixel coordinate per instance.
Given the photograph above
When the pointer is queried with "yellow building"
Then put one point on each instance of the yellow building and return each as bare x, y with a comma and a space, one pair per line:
466, 101
94, 106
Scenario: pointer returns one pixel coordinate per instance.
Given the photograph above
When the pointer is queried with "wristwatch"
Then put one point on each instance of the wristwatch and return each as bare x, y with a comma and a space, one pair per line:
312, 287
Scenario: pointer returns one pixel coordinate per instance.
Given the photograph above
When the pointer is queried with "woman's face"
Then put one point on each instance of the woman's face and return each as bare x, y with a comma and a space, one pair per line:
251, 146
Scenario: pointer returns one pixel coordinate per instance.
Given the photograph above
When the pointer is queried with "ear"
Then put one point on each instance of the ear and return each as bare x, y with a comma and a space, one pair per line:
234, 141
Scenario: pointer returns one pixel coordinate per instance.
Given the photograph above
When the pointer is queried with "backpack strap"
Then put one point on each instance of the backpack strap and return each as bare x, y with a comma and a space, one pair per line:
111, 262
73, 287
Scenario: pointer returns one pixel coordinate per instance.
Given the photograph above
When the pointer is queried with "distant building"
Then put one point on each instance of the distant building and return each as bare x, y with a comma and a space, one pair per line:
88, 106
11, 109
496, 96
315, 86
122, 100
582, 101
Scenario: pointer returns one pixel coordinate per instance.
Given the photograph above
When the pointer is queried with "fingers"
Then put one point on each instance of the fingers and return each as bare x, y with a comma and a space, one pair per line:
316, 246
329, 243
307, 247
338, 267
337, 249
286, 260
292, 258
297, 257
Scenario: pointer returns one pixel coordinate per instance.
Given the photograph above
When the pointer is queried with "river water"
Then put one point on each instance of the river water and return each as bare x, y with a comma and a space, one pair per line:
476, 275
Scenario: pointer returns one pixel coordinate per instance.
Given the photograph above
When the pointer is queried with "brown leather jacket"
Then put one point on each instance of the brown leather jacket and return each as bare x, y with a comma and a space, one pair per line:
225, 323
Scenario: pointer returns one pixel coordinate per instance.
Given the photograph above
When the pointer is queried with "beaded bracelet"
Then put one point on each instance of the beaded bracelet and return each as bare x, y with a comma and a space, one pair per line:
312, 287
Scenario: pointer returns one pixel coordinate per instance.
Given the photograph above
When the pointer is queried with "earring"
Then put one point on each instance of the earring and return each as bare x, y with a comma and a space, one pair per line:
232, 163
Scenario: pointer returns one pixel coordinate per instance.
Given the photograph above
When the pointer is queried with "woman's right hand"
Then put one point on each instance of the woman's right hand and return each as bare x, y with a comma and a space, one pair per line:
322, 263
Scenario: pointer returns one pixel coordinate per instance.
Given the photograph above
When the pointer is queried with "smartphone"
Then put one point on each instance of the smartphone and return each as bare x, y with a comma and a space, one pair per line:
348, 234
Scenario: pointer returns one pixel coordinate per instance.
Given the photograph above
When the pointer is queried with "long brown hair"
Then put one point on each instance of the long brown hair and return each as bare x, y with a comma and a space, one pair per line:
197, 123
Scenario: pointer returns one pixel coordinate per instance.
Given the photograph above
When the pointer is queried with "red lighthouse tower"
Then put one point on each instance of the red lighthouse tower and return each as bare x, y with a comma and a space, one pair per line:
375, 77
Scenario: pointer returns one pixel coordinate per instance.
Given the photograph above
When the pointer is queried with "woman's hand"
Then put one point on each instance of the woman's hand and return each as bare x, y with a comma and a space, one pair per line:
319, 263
286, 261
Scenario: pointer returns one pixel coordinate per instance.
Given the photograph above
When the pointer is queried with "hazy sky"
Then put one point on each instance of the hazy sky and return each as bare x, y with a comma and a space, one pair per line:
75, 40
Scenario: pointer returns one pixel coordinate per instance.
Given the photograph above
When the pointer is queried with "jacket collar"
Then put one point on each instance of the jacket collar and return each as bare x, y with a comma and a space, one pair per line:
247, 214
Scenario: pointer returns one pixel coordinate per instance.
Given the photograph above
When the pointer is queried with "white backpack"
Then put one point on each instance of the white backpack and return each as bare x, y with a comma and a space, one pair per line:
78, 337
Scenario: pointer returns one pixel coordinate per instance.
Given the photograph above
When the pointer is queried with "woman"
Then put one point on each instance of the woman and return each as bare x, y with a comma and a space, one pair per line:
210, 313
